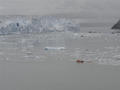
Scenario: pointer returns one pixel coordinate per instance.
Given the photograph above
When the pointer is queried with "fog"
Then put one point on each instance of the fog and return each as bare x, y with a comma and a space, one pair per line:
94, 8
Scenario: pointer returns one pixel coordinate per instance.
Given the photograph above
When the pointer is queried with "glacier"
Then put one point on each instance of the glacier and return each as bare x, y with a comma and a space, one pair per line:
36, 24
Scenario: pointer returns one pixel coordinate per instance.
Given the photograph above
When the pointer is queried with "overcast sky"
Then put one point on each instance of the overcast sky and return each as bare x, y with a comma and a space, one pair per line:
91, 7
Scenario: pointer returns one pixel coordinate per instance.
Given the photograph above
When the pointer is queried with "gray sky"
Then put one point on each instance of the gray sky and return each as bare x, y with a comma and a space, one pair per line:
104, 8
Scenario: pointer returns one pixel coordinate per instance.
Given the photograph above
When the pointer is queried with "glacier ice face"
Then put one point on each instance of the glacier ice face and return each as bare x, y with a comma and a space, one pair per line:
20, 25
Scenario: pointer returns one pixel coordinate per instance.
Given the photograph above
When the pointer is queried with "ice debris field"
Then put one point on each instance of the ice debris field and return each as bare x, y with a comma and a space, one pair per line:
54, 40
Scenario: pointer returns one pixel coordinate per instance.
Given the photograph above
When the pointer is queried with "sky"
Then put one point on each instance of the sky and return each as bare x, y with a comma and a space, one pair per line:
99, 8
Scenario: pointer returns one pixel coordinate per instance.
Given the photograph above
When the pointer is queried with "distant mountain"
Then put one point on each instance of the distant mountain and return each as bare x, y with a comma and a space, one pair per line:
117, 25
36, 24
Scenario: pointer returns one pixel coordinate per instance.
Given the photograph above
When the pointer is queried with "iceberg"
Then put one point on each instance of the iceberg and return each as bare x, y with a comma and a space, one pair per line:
54, 48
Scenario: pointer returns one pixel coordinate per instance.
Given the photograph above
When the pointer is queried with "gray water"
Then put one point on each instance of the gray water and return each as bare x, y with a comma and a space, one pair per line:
58, 76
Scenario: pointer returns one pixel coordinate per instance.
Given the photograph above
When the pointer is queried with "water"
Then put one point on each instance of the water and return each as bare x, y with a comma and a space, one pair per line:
101, 48
31, 40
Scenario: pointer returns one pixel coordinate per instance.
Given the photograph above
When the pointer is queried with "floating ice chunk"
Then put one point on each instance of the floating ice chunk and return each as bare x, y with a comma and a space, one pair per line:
54, 48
